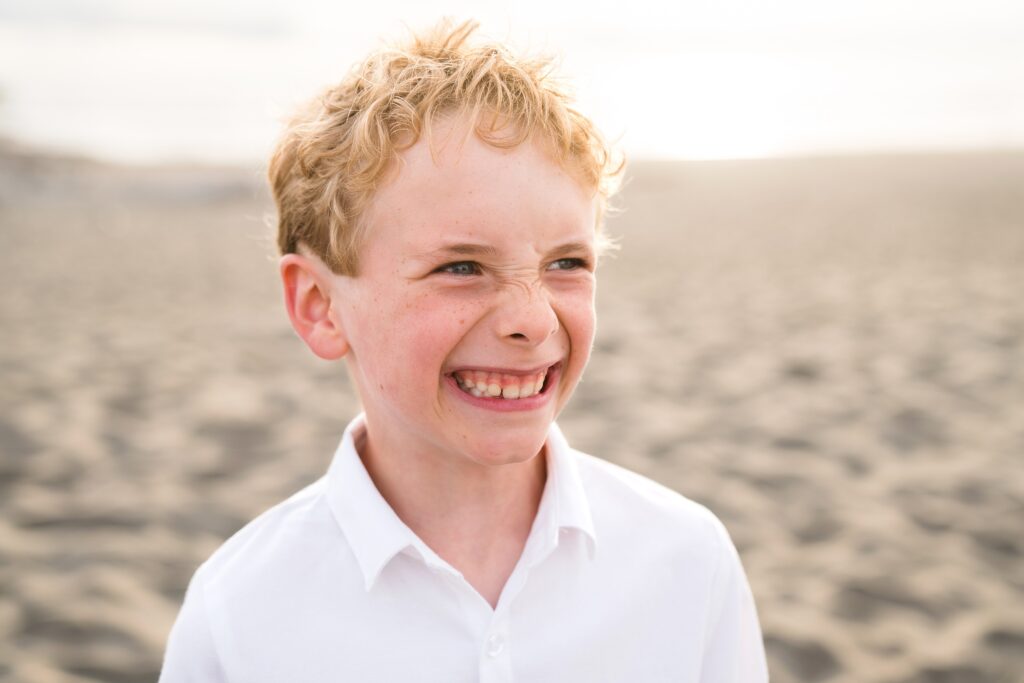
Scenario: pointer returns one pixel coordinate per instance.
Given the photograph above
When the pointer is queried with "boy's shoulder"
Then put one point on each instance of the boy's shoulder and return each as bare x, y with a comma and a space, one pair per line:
279, 533
634, 505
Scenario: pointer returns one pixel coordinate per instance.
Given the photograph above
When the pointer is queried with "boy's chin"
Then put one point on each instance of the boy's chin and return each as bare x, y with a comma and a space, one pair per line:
500, 449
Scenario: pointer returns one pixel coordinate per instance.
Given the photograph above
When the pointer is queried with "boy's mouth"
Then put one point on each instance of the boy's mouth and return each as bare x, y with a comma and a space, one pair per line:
484, 384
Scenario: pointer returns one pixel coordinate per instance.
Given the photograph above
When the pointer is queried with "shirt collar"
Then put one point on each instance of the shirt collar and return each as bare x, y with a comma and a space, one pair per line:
376, 534
565, 486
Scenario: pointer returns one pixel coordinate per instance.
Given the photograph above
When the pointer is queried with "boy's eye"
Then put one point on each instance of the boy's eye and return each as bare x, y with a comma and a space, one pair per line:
568, 264
460, 268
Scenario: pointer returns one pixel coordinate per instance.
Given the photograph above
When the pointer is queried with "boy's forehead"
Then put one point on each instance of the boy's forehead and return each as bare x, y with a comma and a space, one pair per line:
453, 189
473, 232
451, 146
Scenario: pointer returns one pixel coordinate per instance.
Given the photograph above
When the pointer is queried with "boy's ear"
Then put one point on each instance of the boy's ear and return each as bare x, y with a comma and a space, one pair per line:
307, 297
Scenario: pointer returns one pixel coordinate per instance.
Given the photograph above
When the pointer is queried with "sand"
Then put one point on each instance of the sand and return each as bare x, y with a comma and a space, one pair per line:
827, 352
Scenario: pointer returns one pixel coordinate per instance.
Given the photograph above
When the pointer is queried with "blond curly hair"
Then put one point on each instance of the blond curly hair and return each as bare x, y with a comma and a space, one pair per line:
336, 149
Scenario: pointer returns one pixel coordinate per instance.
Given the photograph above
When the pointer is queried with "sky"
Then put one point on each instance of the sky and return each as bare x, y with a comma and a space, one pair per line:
211, 80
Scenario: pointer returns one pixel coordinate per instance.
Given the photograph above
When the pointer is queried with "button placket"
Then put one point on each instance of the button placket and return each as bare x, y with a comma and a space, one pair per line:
495, 645
495, 665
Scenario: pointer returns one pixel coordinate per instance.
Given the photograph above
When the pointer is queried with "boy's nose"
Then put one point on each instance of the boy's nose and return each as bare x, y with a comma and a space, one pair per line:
527, 315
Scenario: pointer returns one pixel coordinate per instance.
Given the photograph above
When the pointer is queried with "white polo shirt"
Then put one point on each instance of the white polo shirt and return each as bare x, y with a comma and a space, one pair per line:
621, 579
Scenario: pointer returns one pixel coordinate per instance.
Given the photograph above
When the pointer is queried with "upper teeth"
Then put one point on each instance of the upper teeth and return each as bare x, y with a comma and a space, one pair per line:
495, 384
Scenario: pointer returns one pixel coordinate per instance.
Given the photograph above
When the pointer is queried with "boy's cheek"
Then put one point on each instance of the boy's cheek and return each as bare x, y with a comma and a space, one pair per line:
579, 314
433, 324
425, 339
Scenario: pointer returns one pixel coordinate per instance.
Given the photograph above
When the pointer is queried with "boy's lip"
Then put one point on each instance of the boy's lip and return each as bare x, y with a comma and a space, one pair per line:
515, 372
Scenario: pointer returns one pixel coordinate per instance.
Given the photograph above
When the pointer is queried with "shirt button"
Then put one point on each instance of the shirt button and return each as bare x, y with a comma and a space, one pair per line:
495, 644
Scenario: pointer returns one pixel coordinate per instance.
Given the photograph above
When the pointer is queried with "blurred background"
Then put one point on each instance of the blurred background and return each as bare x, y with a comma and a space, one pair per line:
813, 326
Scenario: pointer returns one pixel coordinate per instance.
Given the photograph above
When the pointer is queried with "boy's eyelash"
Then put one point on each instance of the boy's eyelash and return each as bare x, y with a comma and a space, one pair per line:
452, 268
574, 263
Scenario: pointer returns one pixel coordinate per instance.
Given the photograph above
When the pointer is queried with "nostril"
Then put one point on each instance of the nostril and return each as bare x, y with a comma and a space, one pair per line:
518, 335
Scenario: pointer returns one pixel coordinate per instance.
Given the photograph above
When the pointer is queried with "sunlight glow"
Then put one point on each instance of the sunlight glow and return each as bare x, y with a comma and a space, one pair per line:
194, 80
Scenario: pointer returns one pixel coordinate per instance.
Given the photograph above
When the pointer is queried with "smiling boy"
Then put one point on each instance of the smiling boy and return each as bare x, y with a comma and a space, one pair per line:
439, 220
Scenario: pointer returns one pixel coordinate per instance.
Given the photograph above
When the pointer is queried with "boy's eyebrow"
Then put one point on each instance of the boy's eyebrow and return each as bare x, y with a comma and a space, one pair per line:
571, 248
473, 249
461, 249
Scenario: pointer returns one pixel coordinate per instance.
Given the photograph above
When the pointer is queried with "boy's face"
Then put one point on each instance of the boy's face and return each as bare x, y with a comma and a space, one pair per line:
477, 271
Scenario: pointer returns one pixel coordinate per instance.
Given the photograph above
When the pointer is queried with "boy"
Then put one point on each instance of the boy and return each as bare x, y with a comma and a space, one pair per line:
438, 219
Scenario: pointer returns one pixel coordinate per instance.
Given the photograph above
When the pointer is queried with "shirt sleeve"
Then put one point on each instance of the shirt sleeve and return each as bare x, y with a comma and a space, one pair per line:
733, 646
191, 655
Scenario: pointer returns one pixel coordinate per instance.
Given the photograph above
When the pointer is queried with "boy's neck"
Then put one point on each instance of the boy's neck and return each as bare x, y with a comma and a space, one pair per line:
475, 517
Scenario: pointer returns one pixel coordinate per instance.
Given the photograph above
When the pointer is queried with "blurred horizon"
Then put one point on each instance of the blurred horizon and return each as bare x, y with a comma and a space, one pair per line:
210, 82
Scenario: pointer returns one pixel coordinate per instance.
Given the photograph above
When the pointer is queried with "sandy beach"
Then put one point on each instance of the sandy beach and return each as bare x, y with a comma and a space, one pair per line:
827, 352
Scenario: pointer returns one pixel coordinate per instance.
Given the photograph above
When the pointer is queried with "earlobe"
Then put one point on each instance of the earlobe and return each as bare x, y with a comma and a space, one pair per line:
307, 298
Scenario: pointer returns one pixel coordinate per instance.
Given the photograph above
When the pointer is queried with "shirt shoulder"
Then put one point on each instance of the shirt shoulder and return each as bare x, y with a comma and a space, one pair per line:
628, 504
682, 559
236, 593
272, 539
